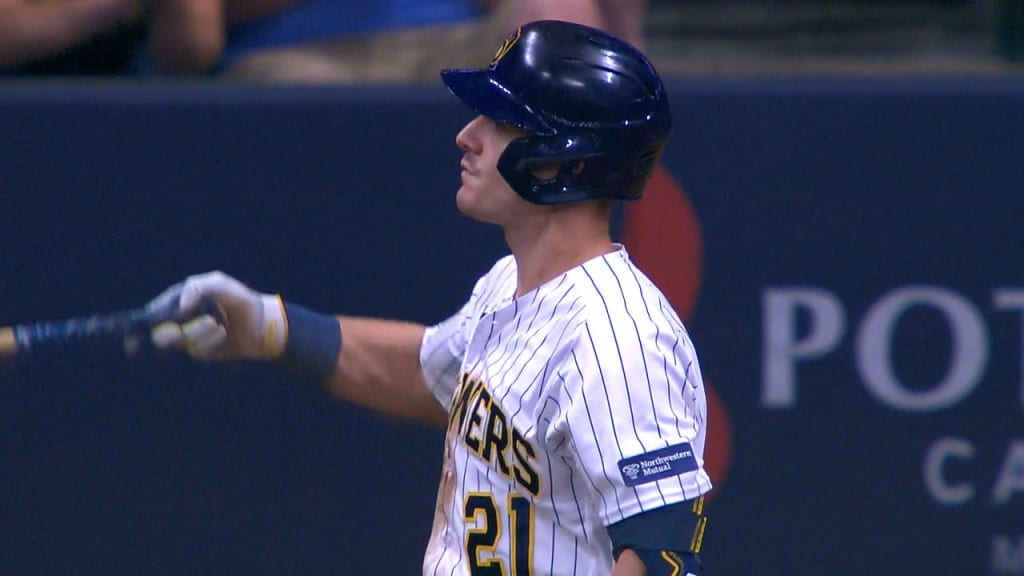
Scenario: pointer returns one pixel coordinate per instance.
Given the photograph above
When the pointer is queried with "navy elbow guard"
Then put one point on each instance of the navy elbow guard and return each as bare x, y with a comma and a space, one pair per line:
669, 562
668, 540
313, 344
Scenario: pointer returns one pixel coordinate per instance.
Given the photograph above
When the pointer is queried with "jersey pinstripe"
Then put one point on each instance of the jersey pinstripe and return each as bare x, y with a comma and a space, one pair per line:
548, 394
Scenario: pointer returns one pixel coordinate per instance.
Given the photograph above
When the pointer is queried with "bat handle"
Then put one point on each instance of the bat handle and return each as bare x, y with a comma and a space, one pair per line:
8, 343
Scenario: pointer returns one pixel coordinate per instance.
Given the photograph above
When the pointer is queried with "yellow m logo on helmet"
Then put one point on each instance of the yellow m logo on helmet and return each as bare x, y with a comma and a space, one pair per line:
507, 45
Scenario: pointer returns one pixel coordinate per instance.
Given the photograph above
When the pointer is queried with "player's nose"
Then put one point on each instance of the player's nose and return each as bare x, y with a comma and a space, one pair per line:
467, 139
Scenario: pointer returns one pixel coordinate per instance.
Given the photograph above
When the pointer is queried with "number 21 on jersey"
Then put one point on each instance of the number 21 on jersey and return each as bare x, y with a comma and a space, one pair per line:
482, 509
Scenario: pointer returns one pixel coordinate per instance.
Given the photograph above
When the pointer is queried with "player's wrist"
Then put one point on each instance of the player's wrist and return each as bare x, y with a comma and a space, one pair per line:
312, 341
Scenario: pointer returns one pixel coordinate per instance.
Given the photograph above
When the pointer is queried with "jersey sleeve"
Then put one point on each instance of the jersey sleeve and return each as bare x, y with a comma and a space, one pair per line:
635, 414
444, 344
441, 354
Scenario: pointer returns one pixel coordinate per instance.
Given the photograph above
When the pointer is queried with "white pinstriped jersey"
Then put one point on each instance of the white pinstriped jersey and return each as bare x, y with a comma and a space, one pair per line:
570, 408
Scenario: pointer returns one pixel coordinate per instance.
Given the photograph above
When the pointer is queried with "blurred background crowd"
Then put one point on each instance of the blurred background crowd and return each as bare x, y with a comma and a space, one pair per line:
380, 41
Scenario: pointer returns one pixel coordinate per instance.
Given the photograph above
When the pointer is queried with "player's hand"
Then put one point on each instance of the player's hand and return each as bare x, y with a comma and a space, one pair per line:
219, 318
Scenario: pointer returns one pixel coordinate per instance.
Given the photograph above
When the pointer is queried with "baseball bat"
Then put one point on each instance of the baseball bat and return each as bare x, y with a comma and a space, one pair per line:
47, 337
130, 328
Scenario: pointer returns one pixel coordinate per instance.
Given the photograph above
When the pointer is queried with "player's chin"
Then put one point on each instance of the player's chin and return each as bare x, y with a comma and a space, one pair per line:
471, 203
466, 199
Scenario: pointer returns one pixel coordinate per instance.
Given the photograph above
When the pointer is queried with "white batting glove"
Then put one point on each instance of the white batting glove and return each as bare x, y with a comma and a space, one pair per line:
219, 318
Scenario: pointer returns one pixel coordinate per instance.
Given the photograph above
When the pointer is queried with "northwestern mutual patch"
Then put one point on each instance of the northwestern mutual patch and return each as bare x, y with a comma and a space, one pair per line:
663, 463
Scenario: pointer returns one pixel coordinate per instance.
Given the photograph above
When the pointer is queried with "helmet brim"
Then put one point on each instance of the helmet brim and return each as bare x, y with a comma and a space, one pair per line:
481, 91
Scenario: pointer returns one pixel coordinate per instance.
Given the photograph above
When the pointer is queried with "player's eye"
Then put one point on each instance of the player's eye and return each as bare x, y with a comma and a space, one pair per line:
509, 128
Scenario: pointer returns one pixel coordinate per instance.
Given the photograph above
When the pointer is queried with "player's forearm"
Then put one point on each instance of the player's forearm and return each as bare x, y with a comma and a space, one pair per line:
29, 31
379, 368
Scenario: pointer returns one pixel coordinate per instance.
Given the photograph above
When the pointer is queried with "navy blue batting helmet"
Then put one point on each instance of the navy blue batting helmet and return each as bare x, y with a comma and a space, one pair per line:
590, 102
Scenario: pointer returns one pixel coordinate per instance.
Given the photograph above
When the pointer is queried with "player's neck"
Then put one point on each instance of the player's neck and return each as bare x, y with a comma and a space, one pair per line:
549, 248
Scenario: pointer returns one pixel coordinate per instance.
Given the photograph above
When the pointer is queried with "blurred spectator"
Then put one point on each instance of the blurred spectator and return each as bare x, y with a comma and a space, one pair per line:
190, 36
359, 41
69, 37
623, 18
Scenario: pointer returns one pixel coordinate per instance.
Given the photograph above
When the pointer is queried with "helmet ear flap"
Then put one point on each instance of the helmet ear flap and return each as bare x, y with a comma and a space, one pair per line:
573, 153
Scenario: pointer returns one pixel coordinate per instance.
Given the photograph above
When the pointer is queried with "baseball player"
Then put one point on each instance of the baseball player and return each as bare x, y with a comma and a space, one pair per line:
570, 391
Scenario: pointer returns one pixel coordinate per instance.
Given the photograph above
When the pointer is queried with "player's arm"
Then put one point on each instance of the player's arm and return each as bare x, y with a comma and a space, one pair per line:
629, 564
379, 367
371, 362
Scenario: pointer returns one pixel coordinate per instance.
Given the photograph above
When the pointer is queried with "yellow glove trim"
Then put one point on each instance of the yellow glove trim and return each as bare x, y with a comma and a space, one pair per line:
275, 326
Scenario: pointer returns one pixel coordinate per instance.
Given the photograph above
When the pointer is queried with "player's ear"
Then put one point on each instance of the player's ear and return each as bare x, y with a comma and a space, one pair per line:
546, 171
